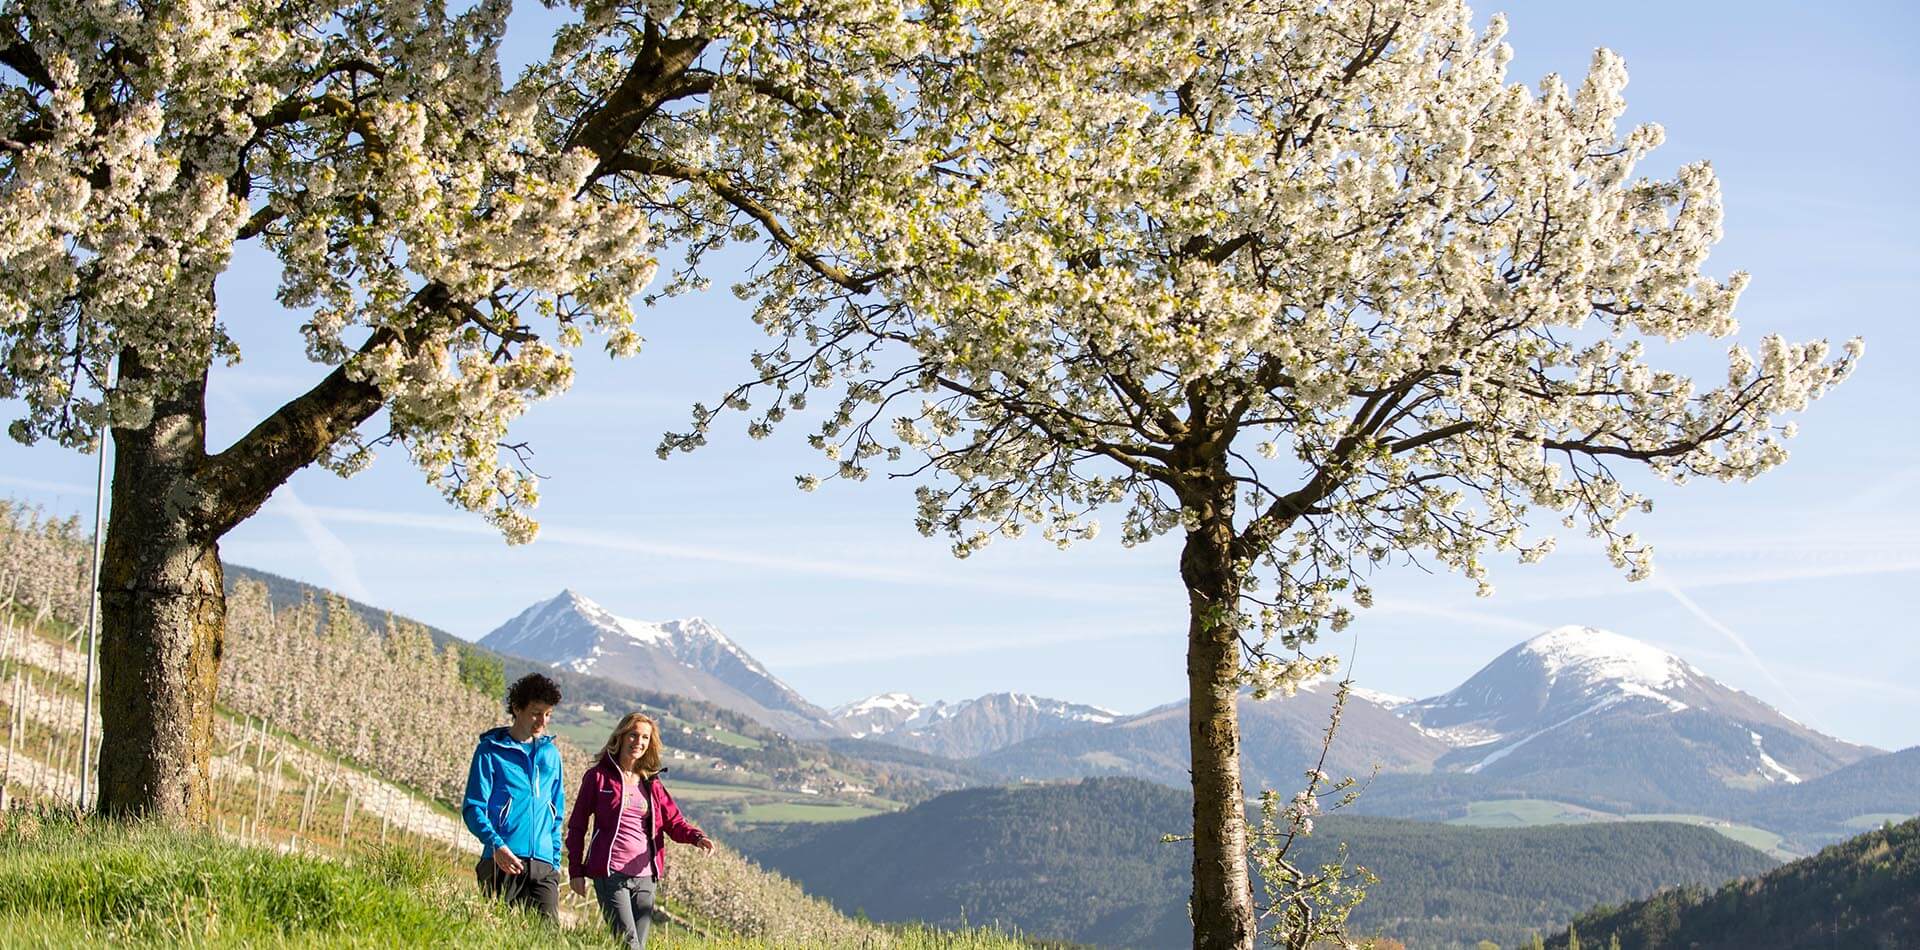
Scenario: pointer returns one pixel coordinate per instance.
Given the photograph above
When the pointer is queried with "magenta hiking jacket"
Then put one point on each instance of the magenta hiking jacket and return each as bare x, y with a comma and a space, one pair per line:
600, 798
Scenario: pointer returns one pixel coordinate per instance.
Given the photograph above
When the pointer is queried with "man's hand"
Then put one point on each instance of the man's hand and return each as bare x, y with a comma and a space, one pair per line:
705, 844
504, 860
578, 885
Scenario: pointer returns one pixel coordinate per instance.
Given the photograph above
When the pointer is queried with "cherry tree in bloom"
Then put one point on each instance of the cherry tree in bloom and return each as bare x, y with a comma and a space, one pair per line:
446, 239
1315, 287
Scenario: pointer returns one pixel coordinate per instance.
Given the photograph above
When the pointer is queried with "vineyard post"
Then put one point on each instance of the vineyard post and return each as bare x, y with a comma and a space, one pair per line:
93, 609
346, 819
28, 698
13, 730
6, 639
259, 779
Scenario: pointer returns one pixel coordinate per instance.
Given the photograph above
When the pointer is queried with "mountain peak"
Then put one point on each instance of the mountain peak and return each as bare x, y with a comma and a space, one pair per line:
894, 700
690, 657
573, 598
1596, 654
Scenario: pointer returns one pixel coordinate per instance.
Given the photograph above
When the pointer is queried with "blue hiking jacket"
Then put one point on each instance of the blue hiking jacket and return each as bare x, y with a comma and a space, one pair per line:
516, 799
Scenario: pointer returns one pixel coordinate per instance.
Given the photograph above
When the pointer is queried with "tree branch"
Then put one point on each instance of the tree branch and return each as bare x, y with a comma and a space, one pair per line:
17, 54
751, 207
240, 479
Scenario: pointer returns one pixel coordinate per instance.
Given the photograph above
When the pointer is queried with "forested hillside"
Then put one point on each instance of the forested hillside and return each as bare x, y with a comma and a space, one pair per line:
1863, 893
1085, 862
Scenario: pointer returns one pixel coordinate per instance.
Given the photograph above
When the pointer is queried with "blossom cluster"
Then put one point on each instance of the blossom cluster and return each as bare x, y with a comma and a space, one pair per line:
1316, 274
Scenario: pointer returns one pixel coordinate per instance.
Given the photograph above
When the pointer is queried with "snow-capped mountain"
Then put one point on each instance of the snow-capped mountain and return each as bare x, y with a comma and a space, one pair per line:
888, 712
687, 657
1584, 700
964, 729
1575, 714
1279, 738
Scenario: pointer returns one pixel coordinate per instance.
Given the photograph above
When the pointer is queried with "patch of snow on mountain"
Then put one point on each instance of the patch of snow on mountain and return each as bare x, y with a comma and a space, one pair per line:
584, 664
1635, 689
886, 702
1601, 654
641, 630
1771, 767
1461, 737
699, 629
1502, 752
1378, 698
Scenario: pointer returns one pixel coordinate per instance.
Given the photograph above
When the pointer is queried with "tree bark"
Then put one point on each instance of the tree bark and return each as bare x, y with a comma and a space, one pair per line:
163, 612
1222, 902
163, 603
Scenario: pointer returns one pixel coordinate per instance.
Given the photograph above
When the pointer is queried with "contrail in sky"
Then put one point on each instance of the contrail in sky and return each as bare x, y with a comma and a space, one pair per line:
1739, 642
334, 555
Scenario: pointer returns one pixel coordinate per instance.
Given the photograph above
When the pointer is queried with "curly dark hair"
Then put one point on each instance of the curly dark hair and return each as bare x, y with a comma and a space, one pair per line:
532, 688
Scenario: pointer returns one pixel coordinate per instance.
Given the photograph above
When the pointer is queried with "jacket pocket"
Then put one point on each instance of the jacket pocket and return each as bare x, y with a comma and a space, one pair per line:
505, 808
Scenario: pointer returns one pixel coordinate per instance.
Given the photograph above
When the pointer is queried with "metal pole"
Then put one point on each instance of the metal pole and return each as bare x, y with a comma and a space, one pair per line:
93, 611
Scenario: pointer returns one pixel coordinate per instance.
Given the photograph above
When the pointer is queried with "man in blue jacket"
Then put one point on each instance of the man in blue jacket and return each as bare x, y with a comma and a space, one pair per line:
515, 797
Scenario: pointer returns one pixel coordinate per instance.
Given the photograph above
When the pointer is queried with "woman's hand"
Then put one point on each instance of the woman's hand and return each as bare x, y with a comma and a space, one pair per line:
705, 844
578, 885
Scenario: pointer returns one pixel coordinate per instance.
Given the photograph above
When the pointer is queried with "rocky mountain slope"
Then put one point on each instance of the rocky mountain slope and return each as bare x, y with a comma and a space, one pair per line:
1575, 713
1632, 725
964, 729
684, 657
1280, 737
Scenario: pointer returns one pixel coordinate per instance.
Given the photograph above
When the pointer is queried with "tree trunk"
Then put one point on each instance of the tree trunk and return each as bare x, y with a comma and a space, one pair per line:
1222, 895
163, 613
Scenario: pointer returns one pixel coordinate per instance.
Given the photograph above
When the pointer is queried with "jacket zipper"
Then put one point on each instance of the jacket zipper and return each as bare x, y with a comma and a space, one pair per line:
619, 816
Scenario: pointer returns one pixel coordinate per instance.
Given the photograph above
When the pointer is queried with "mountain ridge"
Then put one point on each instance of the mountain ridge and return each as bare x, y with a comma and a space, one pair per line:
964, 729
688, 657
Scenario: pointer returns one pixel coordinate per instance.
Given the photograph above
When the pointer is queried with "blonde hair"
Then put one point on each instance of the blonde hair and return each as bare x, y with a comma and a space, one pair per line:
649, 760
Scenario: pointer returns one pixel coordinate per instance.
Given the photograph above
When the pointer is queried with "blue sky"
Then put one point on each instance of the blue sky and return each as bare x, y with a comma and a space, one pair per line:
1798, 588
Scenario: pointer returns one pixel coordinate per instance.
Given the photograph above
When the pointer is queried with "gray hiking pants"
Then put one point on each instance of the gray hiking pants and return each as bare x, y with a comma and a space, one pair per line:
627, 904
537, 887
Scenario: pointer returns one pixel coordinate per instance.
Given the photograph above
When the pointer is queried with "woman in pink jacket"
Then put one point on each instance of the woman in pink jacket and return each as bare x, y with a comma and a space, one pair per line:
633, 816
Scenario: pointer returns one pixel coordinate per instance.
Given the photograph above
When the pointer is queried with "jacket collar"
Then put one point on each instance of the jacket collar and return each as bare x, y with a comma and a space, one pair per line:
607, 762
501, 736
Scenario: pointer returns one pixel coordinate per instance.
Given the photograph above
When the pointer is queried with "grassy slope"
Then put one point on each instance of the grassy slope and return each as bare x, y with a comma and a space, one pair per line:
1536, 812
65, 883
102, 889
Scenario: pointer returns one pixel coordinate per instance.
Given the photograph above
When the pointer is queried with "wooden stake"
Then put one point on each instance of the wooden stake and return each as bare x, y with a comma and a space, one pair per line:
13, 730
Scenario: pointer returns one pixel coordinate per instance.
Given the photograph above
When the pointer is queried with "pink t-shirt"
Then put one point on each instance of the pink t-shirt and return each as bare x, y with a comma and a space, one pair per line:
631, 853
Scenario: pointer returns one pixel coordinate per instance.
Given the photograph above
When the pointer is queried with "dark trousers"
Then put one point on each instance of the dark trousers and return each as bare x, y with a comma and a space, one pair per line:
537, 887
627, 904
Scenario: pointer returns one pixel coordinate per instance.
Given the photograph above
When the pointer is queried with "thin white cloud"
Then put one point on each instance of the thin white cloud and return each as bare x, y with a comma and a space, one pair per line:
931, 643
1882, 492
35, 484
1844, 565
1849, 682
958, 576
